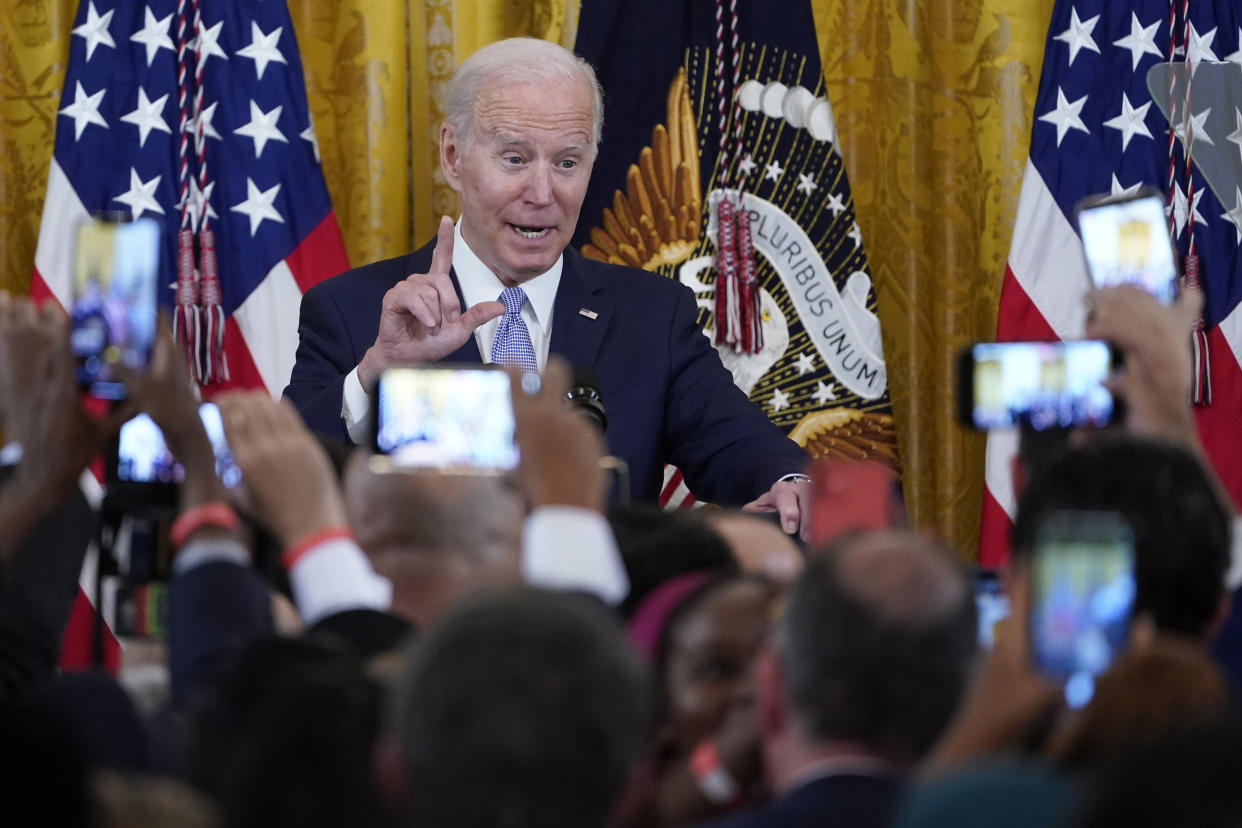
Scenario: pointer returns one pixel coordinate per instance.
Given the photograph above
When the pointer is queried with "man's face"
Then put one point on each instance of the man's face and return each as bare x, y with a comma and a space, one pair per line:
522, 174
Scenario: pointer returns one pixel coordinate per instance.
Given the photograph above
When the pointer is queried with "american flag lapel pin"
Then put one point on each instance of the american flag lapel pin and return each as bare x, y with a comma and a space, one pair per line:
588, 313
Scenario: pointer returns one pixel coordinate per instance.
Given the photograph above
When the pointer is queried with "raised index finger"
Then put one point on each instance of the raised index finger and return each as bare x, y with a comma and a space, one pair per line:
442, 256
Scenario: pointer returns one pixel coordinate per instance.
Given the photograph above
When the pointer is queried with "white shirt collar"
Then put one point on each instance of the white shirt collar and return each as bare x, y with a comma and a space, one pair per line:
479, 284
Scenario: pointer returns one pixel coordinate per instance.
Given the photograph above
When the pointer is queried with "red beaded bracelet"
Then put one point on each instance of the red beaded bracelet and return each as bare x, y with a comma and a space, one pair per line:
215, 513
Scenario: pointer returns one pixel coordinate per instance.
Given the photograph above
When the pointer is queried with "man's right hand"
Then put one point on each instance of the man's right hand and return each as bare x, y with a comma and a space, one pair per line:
1157, 373
421, 319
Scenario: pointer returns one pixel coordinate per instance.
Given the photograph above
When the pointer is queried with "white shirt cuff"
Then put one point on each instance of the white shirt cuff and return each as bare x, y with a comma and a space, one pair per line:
11, 454
210, 550
355, 408
1233, 578
568, 548
335, 576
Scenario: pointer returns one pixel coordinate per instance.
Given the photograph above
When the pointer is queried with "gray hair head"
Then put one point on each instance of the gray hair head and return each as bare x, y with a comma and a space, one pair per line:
512, 61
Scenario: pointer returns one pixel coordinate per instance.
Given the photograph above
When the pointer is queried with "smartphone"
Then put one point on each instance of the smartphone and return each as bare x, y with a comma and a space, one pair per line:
851, 495
1082, 596
1125, 240
453, 419
991, 605
1037, 385
141, 470
113, 311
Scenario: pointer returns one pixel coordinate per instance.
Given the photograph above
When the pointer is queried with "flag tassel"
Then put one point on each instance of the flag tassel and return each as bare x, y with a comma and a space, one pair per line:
185, 314
215, 363
728, 321
748, 288
1201, 392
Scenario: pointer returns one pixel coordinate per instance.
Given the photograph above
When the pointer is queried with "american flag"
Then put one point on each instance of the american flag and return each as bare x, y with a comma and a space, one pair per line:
195, 113
1098, 129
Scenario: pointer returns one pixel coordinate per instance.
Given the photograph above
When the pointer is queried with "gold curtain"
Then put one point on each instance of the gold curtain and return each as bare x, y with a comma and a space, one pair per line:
933, 104
34, 40
932, 100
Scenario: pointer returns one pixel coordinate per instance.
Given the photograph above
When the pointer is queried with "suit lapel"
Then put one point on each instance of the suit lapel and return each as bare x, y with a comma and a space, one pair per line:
577, 335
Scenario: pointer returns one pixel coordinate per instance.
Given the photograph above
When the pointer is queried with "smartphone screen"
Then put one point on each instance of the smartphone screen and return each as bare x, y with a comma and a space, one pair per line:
1082, 594
1037, 385
142, 469
113, 313
849, 495
456, 419
991, 605
1126, 241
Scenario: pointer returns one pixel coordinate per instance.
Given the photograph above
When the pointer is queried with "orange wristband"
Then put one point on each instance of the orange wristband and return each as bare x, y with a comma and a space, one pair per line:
294, 553
215, 513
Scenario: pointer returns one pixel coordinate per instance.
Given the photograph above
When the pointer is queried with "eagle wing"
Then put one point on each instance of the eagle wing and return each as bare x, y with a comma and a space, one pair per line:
657, 220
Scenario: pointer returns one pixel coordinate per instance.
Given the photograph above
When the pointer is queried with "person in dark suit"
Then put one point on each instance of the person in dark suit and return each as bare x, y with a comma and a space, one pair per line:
868, 662
523, 121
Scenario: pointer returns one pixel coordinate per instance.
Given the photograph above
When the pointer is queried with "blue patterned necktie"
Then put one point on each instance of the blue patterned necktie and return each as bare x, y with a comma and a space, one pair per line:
512, 343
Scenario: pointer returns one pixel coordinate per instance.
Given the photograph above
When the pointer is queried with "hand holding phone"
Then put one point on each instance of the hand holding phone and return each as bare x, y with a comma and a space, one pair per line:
143, 471
113, 314
1082, 596
452, 419
1125, 240
1037, 385
290, 482
991, 605
561, 449
1155, 376
849, 495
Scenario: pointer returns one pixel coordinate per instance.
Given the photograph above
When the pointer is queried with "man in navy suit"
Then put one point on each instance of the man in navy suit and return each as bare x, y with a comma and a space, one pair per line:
868, 662
523, 122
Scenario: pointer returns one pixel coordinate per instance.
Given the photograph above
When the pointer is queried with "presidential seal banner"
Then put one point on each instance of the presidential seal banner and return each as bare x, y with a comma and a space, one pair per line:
719, 168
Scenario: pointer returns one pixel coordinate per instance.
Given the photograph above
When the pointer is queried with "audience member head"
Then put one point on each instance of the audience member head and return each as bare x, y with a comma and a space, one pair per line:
700, 632
1010, 792
1037, 450
436, 537
657, 545
520, 707
1185, 777
1154, 688
138, 801
758, 543
1181, 528
872, 652
286, 738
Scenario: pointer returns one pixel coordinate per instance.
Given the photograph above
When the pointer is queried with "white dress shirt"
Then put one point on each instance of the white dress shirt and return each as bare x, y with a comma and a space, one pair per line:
478, 284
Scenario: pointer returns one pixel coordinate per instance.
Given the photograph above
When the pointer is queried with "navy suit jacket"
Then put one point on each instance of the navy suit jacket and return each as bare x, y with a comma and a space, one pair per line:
846, 800
667, 395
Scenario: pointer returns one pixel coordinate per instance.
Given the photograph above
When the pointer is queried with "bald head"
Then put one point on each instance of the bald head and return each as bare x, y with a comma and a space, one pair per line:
435, 536
758, 545
906, 579
876, 641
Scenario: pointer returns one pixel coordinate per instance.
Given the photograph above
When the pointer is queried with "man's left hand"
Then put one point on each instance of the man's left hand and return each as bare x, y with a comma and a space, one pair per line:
791, 499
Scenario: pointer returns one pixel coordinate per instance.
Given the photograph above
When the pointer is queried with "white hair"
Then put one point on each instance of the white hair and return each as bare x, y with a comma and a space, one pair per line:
511, 61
